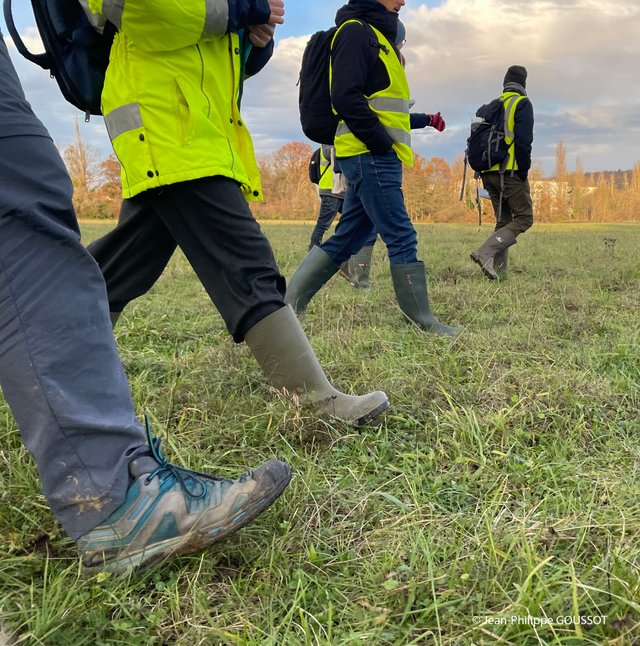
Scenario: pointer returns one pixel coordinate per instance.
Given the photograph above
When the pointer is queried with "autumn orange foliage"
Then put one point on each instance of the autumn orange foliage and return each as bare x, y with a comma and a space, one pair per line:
432, 189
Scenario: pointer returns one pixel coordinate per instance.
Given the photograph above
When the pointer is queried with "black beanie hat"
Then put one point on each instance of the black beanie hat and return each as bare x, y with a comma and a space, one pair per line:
516, 74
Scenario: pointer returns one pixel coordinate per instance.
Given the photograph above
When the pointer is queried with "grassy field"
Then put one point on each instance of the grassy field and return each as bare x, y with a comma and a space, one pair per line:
499, 496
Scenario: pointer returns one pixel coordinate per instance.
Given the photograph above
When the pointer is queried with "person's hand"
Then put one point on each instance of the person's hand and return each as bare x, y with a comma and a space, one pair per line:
277, 12
261, 35
436, 121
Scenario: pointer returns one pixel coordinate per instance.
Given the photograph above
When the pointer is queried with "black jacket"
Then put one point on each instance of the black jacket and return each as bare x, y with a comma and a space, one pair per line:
358, 71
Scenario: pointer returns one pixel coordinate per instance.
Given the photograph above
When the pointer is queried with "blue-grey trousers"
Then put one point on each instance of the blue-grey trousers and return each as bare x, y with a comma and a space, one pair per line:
59, 367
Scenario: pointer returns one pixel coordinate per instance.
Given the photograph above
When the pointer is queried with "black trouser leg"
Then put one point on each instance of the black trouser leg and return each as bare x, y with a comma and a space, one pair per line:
133, 256
213, 225
330, 206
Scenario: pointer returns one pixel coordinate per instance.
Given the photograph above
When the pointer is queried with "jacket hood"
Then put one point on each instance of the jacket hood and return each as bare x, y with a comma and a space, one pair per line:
372, 12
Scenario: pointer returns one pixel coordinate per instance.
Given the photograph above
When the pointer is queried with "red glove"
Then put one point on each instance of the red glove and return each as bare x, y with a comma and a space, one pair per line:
437, 122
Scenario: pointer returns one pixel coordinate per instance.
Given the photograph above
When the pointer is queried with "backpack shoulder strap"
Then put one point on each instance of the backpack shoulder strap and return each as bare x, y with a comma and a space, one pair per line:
322, 157
373, 38
43, 60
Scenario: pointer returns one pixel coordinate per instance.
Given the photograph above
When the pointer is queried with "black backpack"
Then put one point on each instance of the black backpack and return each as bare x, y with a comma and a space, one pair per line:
76, 54
315, 164
318, 120
486, 144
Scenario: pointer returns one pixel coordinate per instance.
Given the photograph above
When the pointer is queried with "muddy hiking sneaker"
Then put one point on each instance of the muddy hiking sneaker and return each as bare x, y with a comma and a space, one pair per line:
171, 511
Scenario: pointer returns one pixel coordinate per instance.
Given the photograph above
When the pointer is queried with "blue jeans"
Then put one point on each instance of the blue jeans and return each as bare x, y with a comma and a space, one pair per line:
373, 202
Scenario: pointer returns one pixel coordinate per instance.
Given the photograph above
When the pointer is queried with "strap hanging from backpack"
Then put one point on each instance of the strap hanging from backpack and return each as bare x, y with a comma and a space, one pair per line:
76, 54
464, 177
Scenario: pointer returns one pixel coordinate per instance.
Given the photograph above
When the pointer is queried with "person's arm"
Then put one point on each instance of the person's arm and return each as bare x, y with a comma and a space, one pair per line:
173, 24
260, 45
422, 120
523, 137
257, 59
352, 58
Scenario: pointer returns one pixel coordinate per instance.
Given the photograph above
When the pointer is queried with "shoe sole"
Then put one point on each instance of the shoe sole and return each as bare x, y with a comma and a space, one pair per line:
358, 421
345, 275
199, 538
367, 417
478, 262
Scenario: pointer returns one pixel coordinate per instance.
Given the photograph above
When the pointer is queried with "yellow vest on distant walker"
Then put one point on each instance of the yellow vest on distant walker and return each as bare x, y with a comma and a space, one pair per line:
390, 104
326, 173
510, 101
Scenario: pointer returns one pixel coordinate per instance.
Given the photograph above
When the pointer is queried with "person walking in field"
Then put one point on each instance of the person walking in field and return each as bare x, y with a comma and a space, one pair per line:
508, 186
104, 477
331, 191
370, 93
171, 107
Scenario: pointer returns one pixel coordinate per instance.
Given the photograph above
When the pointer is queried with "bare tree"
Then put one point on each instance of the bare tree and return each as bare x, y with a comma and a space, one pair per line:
83, 164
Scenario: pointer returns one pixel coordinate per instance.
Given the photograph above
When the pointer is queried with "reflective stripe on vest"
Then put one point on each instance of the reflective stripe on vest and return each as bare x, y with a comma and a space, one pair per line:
217, 18
122, 119
215, 23
112, 10
510, 101
390, 104
397, 134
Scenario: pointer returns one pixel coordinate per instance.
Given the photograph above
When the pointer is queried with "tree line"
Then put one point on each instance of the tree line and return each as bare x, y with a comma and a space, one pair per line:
433, 188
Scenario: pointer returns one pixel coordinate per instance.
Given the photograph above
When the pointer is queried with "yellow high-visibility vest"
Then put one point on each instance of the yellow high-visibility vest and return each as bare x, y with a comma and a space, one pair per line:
170, 98
391, 105
326, 173
510, 101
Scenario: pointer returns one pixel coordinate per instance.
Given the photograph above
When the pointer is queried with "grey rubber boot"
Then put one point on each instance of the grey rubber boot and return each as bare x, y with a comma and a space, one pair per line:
360, 268
114, 317
345, 271
282, 349
501, 263
410, 284
484, 256
314, 271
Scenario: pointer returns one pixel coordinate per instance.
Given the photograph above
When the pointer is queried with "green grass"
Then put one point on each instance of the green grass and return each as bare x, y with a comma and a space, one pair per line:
503, 482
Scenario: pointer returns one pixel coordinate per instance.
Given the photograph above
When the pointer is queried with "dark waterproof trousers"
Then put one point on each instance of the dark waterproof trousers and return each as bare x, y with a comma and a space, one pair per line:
330, 206
211, 222
517, 208
59, 368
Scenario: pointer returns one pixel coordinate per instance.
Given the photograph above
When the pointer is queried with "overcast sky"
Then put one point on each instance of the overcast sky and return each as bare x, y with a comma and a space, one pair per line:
580, 55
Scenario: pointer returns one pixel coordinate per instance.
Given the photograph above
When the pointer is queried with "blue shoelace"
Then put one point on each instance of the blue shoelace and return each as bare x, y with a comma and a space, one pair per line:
166, 469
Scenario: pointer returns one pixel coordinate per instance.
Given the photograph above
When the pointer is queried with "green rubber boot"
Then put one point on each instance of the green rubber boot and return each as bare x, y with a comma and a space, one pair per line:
360, 268
410, 284
314, 271
282, 349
